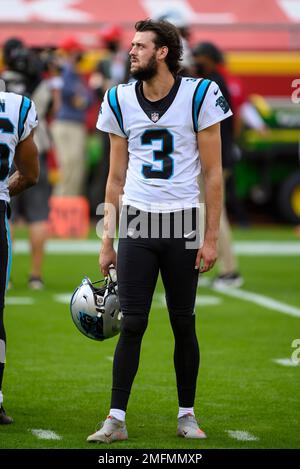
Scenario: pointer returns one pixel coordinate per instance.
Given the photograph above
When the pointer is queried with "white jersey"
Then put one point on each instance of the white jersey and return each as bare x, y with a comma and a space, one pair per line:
164, 163
17, 119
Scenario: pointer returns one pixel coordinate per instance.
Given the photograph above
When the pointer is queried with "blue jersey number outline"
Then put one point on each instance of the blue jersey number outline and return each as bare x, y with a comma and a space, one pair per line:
163, 155
6, 127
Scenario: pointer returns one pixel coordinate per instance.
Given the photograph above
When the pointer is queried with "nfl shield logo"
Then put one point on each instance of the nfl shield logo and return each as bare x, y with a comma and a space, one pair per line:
154, 116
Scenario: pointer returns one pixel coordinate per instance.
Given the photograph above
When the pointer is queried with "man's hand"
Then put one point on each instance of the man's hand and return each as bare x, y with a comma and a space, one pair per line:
107, 257
207, 256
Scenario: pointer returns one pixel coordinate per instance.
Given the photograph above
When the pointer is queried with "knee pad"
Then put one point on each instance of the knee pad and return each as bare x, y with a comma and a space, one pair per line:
134, 325
183, 326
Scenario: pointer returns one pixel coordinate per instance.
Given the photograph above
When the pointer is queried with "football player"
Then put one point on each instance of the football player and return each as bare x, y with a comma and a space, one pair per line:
164, 129
17, 120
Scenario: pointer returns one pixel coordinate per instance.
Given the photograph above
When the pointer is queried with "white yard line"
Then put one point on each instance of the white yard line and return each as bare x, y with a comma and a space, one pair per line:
84, 247
19, 300
159, 300
242, 435
64, 298
60, 246
45, 434
260, 300
211, 300
267, 248
285, 362
208, 300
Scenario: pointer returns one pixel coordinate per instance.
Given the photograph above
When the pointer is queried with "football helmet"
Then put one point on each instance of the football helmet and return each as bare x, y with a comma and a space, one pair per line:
95, 307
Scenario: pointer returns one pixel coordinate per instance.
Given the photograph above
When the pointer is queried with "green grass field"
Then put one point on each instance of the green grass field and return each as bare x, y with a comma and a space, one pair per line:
58, 380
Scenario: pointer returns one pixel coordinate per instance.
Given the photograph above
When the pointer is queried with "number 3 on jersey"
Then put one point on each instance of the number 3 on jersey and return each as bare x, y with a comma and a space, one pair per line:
163, 155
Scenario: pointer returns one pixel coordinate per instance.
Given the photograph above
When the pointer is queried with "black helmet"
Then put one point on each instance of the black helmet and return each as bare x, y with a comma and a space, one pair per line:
10, 50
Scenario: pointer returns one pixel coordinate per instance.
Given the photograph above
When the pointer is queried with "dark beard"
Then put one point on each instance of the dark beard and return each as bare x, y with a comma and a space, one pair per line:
146, 73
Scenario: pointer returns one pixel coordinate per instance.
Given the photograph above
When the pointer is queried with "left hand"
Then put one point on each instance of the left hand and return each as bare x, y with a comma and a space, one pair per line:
206, 256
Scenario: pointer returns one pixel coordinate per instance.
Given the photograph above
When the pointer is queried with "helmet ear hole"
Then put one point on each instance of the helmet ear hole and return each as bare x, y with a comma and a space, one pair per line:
96, 311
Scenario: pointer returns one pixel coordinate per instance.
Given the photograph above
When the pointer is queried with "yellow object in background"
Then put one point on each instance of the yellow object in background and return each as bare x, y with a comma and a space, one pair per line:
264, 63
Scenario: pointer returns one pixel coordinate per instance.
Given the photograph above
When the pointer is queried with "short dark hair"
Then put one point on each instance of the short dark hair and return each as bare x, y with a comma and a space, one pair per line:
166, 34
208, 49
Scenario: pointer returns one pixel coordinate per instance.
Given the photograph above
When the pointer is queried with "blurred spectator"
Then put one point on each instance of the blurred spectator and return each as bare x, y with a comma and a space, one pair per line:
208, 59
111, 70
23, 67
68, 128
23, 74
52, 73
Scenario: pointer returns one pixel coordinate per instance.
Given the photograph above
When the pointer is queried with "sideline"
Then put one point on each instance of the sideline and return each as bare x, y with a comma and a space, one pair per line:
92, 246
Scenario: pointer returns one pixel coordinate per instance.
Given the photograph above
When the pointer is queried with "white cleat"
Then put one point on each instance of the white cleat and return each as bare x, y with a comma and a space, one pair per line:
188, 427
231, 280
111, 430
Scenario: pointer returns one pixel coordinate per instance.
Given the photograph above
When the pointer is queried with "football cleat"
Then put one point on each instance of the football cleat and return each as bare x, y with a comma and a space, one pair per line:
95, 309
111, 430
188, 427
230, 280
4, 419
35, 283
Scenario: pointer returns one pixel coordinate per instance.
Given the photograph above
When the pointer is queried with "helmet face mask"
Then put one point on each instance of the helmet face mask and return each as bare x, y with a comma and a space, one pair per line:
95, 308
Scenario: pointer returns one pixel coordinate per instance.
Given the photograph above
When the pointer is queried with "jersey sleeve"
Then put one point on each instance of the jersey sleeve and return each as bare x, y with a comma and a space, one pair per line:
110, 117
213, 107
28, 119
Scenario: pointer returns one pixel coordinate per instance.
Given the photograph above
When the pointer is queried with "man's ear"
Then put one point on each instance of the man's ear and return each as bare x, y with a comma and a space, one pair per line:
162, 52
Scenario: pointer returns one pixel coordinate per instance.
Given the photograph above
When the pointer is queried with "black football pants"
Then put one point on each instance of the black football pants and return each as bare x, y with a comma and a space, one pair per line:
139, 262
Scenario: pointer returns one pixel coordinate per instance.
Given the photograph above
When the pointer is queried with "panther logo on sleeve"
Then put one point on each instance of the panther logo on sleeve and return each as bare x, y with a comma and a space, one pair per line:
221, 101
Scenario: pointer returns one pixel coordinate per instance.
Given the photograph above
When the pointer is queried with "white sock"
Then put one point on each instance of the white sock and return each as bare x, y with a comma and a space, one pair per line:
118, 414
185, 410
1, 398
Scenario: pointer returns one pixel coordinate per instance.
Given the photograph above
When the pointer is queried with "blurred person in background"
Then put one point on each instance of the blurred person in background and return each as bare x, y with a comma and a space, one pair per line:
52, 75
210, 57
22, 67
24, 75
209, 63
112, 69
69, 126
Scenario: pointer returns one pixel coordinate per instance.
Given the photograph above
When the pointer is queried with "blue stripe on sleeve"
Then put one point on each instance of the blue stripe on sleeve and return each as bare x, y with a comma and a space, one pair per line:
198, 99
115, 106
24, 109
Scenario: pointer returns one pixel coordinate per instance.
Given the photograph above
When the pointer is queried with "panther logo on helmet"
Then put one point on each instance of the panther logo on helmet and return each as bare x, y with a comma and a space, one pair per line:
90, 325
